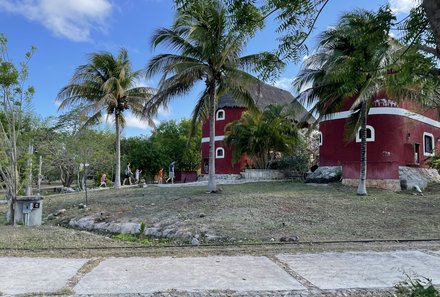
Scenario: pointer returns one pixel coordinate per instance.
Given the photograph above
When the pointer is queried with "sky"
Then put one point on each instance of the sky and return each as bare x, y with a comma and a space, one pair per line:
65, 32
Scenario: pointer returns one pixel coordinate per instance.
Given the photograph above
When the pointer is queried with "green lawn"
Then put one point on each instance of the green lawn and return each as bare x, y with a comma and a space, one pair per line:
247, 213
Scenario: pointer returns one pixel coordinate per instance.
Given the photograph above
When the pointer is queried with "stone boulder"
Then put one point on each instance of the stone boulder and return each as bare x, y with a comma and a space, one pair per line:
325, 174
412, 177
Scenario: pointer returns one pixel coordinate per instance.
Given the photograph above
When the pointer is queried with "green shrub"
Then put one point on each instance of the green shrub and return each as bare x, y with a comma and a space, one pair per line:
297, 163
416, 288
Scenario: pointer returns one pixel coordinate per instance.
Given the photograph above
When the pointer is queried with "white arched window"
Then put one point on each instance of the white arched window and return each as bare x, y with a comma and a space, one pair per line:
219, 153
320, 138
428, 144
220, 115
370, 134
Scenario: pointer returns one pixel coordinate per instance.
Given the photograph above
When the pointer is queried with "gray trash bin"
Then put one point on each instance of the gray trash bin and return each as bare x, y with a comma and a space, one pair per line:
28, 210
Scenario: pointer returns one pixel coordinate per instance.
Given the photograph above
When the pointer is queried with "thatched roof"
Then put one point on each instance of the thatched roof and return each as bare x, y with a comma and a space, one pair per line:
265, 95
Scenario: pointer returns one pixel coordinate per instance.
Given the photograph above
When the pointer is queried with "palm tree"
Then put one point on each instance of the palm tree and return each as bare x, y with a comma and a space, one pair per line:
208, 50
107, 86
355, 61
257, 134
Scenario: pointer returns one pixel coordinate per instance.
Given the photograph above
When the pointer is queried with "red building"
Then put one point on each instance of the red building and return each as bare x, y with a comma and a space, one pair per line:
228, 111
397, 135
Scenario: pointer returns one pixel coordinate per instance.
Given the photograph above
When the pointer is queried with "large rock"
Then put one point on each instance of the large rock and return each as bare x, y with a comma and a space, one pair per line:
325, 174
420, 177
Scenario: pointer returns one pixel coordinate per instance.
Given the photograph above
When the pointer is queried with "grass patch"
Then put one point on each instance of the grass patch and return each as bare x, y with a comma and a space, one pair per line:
150, 241
247, 213
258, 212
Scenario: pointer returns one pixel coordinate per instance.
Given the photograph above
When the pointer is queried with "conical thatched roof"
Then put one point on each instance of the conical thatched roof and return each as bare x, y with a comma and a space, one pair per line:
265, 95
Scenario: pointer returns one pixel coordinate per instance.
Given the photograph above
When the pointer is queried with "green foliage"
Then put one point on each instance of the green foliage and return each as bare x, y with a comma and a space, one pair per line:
146, 241
142, 231
169, 142
295, 21
297, 162
416, 288
106, 86
15, 101
208, 48
171, 139
259, 134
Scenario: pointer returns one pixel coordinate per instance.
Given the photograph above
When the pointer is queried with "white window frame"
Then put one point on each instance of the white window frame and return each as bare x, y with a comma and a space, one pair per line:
320, 138
217, 117
433, 144
373, 134
216, 153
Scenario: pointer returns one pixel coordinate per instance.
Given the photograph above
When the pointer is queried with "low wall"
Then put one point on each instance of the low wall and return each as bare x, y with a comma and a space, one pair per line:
385, 184
205, 177
263, 174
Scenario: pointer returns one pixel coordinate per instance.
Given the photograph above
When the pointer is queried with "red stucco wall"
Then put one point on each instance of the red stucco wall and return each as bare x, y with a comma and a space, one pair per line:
223, 165
395, 137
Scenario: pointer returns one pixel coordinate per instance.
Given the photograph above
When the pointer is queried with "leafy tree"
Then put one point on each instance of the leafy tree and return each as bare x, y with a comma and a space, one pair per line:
141, 153
355, 61
295, 21
106, 86
171, 139
209, 49
15, 98
260, 135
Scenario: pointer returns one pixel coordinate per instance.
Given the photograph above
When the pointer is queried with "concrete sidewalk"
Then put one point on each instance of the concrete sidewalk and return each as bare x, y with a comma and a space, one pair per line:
282, 275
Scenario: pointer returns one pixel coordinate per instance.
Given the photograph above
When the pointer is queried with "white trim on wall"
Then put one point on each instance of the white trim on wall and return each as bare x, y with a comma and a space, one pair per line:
216, 153
386, 111
370, 139
432, 142
217, 138
320, 138
217, 117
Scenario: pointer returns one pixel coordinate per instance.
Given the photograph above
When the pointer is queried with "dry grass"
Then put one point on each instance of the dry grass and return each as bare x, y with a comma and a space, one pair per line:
248, 213
261, 211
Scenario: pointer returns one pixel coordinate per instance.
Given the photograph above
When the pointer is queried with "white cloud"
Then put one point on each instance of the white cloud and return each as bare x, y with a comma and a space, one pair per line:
72, 19
284, 83
402, 6
130, 121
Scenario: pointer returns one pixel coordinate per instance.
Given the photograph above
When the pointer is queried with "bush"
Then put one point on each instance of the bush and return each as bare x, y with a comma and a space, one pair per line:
416, 288
297, 163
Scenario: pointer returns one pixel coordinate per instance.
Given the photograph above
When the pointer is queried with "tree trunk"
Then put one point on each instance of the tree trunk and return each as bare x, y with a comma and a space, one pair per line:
212, 186
29, 164
118, 153
13, 185
40, 176
362, 188
432, 10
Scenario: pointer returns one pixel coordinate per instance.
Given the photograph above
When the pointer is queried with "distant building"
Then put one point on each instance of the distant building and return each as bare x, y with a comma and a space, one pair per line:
228, 111
399, 135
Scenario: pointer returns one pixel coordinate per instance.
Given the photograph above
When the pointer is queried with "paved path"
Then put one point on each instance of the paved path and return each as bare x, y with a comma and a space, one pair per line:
282, 275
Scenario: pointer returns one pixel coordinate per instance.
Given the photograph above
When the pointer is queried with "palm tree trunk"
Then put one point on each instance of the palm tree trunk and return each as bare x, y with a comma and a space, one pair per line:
362, 188
118, 153
212, 186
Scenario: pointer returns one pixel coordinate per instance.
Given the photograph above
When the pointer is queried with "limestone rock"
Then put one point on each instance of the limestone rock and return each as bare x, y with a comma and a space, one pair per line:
325, 174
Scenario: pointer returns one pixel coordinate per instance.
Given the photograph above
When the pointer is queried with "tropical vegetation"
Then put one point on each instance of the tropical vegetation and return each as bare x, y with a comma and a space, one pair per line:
356, 61
209, 49
261, 136
107, 86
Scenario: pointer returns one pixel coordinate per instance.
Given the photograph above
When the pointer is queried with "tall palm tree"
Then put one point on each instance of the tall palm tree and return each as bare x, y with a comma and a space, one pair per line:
257, 134
107, 86
355, 61
208, 50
